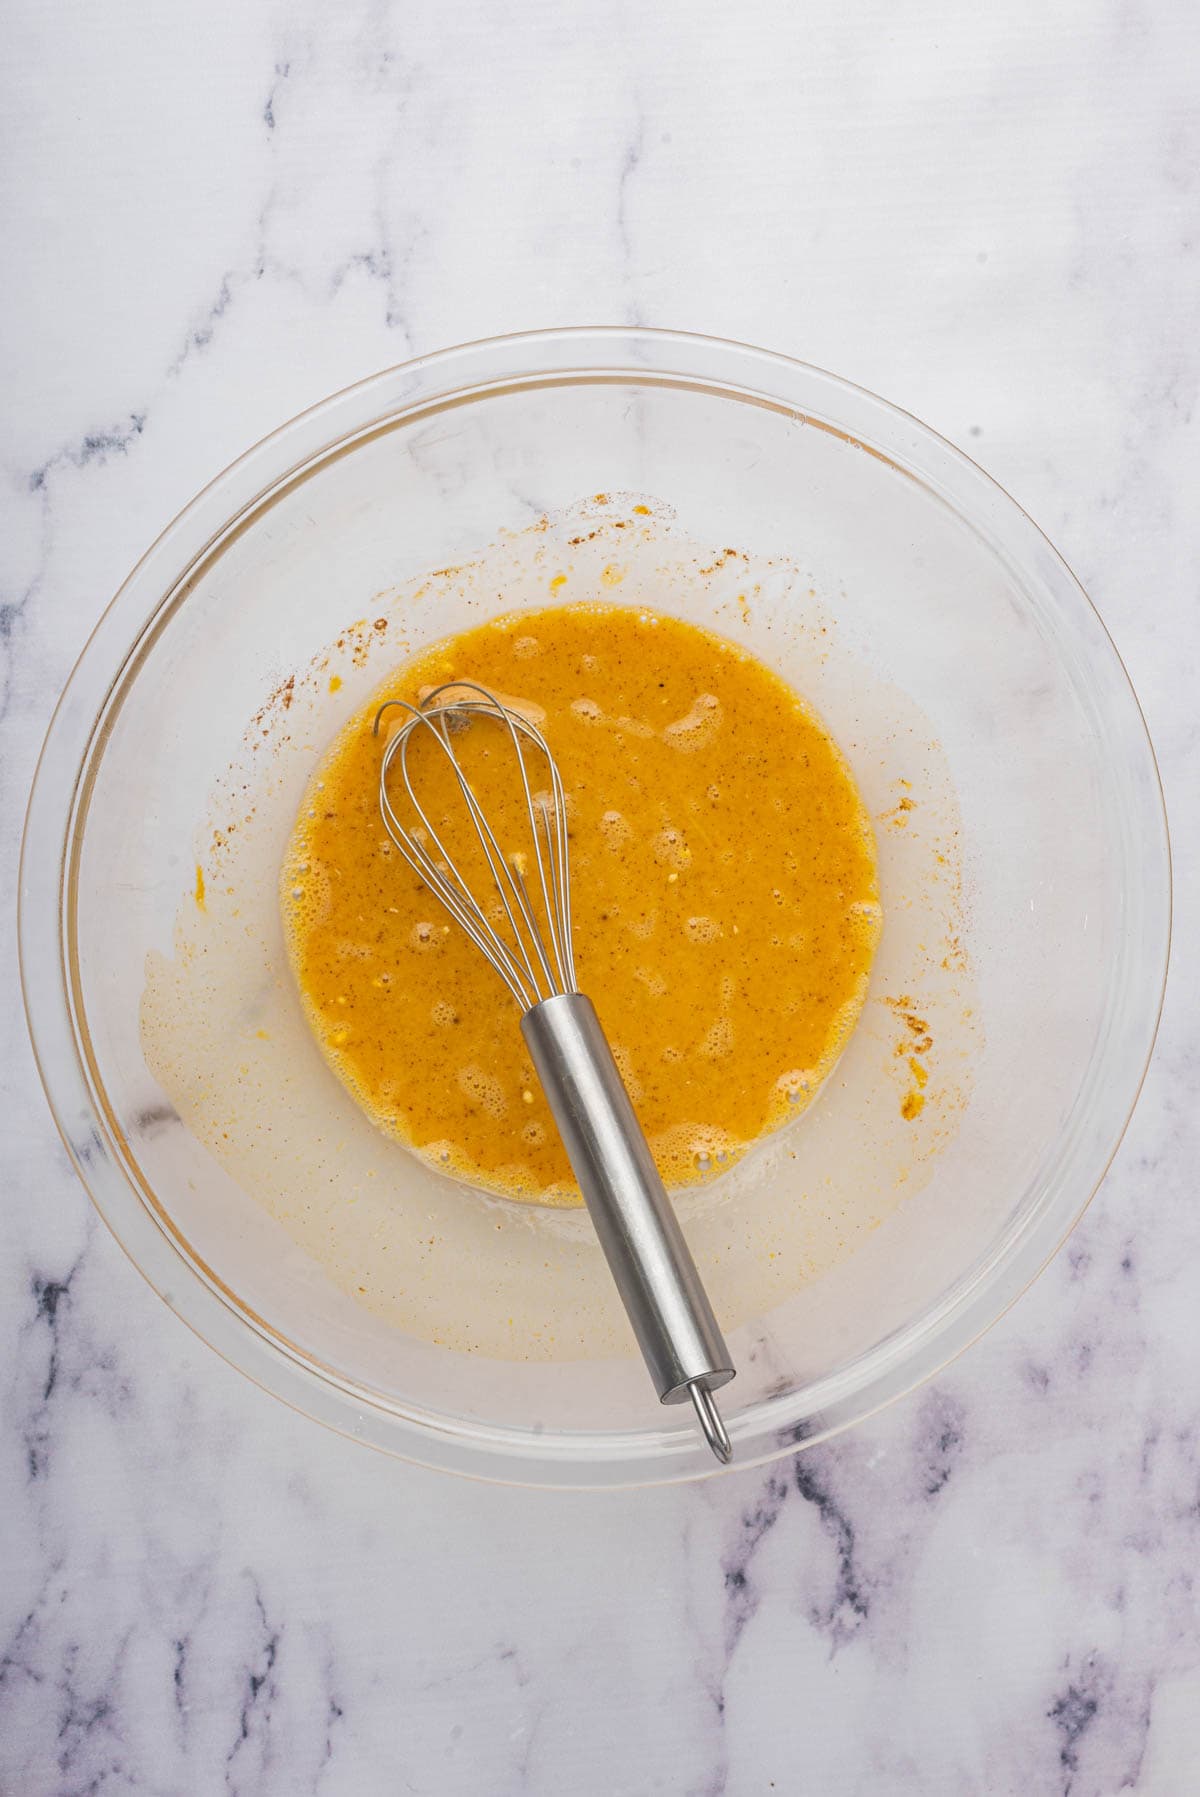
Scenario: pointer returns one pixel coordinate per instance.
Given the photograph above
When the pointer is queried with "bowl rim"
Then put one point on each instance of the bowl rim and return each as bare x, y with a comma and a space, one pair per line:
392, 398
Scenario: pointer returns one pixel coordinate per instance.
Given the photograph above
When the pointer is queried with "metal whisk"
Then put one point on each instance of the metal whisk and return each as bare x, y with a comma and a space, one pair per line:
526, 937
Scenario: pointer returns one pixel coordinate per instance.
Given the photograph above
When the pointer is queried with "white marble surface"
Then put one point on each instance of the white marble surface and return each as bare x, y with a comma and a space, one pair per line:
216, 212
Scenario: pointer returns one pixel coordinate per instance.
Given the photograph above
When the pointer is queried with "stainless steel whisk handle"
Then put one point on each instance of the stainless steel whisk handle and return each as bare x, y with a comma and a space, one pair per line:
634, 1219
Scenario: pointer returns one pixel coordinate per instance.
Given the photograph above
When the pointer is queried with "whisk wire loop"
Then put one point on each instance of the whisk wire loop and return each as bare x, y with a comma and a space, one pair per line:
531, 967
455, 897
498, 867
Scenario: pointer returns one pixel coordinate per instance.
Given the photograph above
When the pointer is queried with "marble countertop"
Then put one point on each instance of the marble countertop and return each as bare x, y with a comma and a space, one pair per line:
214, 214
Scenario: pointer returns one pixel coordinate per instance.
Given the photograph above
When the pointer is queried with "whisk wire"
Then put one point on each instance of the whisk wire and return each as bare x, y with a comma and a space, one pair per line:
562, 868
493, 854
531, 968
457, 899
518, 727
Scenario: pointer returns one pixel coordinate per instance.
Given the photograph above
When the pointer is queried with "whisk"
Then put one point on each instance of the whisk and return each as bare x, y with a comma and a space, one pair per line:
523, 929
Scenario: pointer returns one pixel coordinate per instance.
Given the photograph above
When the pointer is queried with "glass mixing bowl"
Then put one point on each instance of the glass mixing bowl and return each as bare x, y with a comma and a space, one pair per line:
877, 560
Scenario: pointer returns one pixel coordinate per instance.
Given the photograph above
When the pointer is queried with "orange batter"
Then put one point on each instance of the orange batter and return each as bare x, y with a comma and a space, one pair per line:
725, 904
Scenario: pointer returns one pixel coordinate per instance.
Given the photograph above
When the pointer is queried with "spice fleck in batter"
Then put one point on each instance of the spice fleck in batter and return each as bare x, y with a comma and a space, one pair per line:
724, 897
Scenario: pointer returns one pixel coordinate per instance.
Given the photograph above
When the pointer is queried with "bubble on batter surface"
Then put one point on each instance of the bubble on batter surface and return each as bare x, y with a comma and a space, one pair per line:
691, 1150
671, 850
483, 1089
702, 929
628, 1072
616, 831
652, 980
717, 1040
697, 728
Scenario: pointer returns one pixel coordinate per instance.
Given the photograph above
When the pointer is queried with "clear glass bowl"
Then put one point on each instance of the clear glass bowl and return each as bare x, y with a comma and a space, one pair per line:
935, 582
